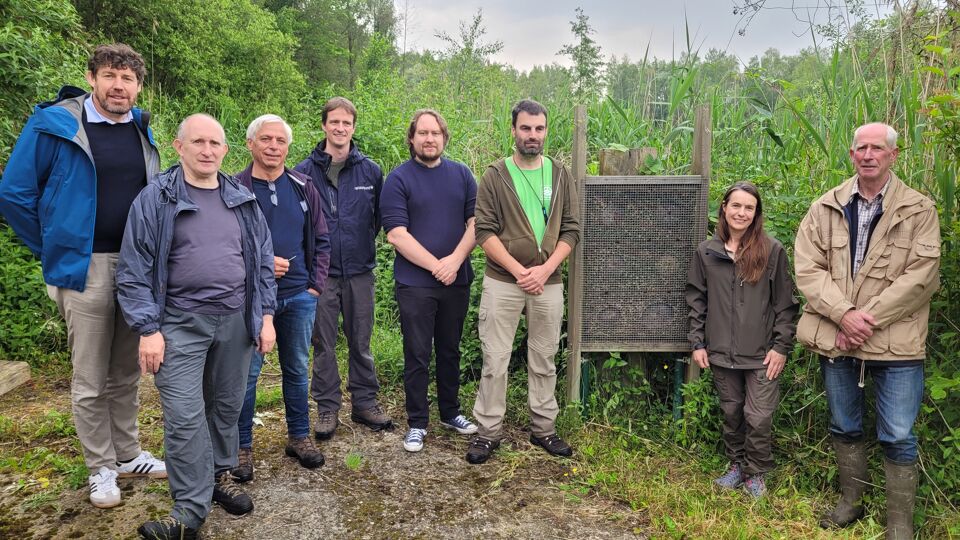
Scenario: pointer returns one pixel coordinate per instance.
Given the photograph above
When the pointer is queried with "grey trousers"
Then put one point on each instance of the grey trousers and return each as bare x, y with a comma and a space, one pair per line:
201, 382
748, 400
352, 296
106, 376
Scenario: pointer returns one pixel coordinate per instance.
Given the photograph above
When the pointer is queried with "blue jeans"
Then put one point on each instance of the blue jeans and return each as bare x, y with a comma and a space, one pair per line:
293, 322
899, 391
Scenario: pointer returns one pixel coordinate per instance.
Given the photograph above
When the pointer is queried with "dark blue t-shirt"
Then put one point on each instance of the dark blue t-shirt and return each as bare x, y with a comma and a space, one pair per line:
285, 220
434, 205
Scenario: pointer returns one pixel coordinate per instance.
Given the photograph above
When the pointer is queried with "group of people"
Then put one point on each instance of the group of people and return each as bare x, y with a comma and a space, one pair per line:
193, 275
867, 259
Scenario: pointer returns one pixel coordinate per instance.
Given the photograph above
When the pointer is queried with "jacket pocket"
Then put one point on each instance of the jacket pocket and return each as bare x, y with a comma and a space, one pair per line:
906, 339
816, 331
839, 257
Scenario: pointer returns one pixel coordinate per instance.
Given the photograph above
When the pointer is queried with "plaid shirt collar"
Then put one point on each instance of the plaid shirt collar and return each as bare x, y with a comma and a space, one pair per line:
856, 191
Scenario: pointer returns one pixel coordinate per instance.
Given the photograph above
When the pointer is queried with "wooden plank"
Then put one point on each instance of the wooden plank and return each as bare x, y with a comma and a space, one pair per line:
575, 273
702, 148
624, 162
12, 375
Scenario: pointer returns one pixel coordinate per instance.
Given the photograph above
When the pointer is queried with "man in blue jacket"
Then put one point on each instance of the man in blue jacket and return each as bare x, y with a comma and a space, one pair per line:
195, 281
66, 190
349, 185
291, 205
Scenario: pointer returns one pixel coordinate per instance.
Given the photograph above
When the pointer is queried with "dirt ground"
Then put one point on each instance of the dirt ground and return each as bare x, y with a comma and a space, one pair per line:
369, 488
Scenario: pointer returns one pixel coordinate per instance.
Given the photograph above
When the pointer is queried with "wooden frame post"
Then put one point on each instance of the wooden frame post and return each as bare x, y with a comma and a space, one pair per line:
702, 148
575, 275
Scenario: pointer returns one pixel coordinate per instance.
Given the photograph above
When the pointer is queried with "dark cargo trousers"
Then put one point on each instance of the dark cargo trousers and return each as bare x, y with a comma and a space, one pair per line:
352, 296
201, 381
748, 399
431, 318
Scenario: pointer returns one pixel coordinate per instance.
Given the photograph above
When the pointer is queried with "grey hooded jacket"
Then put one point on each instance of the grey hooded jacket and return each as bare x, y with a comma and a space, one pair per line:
142, 268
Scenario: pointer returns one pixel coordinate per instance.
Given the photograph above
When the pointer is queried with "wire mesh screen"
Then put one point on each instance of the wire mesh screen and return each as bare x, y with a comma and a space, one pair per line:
639, 234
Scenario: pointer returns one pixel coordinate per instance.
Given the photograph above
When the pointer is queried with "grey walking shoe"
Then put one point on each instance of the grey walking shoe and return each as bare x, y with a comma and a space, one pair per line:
852, 470
230, 497
374, 418
326, 424
732, 479
755, 486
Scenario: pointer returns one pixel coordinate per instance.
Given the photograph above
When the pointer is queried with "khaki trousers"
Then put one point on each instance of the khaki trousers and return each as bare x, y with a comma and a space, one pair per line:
501, 305
106, 375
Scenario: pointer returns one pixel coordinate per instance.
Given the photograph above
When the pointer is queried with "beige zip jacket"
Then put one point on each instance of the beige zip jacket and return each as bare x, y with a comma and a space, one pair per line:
895, 283
498, 213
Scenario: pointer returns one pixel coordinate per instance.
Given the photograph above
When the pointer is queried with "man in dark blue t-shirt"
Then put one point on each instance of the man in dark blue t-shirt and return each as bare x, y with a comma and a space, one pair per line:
427, 211
301, 245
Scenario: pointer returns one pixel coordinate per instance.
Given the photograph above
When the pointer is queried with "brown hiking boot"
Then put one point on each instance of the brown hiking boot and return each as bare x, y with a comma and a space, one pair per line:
374, 418
243, 472
305, 452
553, 444
327, 422
480, 449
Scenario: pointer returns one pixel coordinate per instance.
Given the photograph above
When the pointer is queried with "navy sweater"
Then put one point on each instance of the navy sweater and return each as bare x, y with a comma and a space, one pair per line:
434, 205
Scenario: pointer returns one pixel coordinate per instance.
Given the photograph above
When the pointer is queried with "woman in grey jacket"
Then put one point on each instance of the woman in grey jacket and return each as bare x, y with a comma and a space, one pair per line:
742, 322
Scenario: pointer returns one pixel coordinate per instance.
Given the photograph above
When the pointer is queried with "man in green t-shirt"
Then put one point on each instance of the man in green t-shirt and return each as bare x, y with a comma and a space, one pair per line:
527, 222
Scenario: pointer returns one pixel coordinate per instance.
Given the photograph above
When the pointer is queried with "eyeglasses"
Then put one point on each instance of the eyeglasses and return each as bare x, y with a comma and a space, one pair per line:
273, 192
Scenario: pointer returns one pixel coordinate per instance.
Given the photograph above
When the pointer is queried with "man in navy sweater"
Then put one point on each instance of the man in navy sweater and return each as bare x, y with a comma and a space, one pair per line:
427, 209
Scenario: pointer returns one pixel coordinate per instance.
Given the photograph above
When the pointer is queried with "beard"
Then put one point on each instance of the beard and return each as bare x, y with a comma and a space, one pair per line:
114, 107
428, 158
529, 151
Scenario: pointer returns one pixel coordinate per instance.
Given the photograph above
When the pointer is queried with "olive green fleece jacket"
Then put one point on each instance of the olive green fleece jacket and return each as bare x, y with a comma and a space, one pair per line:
498, 213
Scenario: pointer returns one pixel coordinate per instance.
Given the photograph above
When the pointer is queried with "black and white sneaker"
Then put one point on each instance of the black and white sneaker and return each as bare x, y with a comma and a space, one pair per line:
143, 465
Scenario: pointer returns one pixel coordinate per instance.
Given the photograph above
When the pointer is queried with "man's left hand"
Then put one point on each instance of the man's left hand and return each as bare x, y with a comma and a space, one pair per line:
268, 336
533, 281
774, 362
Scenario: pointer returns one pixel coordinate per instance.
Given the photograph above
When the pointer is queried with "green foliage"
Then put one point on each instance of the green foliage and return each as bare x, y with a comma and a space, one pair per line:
32, 330
43, 47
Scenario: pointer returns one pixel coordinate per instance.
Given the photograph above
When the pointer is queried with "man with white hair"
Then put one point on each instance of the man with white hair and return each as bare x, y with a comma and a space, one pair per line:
867, 260
195, 281
301, 246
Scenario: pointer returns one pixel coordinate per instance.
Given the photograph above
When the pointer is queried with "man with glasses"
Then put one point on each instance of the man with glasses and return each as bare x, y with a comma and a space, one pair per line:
301, 246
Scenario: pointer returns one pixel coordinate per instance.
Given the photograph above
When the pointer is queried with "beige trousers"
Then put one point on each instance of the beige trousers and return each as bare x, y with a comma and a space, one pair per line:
501, 305
106, 375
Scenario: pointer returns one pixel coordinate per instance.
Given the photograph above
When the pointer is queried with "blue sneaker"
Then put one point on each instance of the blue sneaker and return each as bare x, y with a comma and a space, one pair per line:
413, 442
460, 424
732, 479
755, 486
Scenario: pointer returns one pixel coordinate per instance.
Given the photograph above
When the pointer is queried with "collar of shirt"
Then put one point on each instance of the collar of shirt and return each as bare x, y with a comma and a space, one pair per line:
94, 116
856, 191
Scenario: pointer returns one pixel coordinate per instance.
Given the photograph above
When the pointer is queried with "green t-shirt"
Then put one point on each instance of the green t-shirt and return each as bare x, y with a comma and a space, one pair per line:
535, 188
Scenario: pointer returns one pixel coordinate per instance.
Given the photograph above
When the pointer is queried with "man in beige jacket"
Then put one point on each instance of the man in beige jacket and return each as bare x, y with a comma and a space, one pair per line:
527, 222
867, 261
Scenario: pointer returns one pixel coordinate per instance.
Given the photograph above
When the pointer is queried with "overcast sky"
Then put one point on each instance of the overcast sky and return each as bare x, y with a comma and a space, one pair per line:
533, 31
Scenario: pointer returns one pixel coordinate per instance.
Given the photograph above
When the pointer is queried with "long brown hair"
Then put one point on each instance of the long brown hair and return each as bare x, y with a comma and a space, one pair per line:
754, 247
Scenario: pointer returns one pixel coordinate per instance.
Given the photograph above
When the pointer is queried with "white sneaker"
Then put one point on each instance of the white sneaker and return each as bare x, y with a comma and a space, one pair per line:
104, 492
460, 424
143, 465
413, 442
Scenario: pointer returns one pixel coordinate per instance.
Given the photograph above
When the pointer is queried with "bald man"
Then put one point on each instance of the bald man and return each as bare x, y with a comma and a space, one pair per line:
196, 282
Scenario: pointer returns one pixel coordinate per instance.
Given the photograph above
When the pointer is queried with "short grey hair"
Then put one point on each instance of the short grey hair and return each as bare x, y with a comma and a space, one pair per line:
891, 134
182, 127
259, 122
